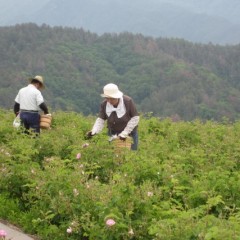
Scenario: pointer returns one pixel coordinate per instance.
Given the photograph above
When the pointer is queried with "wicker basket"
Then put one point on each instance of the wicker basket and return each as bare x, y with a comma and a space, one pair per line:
45, 121
121, 146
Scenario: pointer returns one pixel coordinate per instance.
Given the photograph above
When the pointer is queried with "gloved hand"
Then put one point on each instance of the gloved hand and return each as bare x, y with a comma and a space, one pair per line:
122, 138
89, 134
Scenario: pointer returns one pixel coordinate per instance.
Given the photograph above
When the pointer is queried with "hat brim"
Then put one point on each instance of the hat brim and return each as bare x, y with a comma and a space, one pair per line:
42, 84
119, 94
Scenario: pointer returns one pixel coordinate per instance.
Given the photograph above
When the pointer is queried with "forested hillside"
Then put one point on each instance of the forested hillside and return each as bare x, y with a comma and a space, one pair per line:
169, 77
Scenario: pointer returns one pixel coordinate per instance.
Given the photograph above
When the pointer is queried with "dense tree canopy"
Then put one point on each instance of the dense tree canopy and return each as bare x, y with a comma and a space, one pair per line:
169, 77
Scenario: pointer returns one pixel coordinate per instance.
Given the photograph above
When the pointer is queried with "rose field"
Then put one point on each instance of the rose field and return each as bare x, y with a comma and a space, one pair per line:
183, 182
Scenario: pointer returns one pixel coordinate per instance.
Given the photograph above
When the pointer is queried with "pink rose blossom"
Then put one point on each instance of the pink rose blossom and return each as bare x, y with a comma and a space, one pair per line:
75, 192
150, 194
3, 233
130, 232
69, 230
78, 156
110, 222
85, 145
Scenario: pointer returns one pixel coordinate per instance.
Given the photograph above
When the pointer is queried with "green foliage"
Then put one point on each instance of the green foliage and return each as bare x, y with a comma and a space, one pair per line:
169, 77
182, 183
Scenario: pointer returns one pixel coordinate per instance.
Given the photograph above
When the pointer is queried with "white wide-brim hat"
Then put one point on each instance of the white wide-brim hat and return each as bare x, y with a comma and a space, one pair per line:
111, 91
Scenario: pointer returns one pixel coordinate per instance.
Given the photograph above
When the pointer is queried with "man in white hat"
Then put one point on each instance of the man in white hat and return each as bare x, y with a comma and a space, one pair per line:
28, 102
121, 114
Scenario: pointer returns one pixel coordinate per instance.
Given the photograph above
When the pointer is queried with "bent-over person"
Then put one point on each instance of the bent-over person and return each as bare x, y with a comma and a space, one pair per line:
120, 113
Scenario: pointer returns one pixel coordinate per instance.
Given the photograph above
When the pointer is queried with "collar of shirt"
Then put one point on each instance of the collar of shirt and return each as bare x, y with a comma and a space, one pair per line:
120, 109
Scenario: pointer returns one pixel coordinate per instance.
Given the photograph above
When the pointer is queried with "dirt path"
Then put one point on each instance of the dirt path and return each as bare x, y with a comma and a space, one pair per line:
13, 233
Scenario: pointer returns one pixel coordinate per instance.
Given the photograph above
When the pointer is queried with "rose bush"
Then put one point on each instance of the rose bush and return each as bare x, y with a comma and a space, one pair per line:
182, 183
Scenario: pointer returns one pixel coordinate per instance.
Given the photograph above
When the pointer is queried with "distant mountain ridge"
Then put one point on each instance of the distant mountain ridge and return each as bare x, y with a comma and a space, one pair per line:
204, 21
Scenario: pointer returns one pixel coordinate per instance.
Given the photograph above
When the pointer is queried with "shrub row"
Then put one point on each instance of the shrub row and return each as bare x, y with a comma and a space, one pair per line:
183, 182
